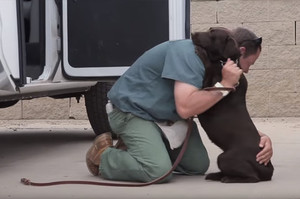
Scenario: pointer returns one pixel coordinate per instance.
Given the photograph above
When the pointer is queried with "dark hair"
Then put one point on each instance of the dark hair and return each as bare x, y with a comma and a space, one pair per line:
246, 38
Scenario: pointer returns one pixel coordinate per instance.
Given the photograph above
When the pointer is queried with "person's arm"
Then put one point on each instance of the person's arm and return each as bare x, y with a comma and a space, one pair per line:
265, 155
191, 101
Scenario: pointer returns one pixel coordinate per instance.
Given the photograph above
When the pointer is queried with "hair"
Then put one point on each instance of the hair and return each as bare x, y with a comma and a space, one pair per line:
246, 38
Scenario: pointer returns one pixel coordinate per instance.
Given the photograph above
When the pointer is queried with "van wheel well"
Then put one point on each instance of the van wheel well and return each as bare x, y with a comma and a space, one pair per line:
8, 103
95, 102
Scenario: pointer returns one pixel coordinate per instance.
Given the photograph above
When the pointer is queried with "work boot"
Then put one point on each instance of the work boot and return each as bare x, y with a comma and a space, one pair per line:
93, 155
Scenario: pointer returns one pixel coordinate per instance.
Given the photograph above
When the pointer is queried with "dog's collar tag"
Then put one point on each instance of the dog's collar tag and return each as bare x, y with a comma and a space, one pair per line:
223, 62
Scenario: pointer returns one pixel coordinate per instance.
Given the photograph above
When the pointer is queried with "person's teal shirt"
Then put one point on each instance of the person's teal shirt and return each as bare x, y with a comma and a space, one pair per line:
146, 89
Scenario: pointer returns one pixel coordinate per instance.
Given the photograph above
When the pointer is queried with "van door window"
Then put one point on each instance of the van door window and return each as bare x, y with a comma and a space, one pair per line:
34, 37
114, 32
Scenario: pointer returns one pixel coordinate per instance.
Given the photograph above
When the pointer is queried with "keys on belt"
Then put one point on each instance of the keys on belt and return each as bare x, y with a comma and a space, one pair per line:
109, 107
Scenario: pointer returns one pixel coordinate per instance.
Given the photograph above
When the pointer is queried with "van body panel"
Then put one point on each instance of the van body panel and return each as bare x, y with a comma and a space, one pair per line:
9, 62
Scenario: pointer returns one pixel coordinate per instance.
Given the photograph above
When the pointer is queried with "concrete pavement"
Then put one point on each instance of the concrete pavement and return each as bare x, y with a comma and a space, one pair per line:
55, 150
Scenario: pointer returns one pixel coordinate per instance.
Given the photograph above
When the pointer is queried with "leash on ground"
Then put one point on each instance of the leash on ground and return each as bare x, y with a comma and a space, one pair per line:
26, 181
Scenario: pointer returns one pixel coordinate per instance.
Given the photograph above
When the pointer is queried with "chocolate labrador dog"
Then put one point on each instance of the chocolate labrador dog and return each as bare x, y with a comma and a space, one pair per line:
228, 123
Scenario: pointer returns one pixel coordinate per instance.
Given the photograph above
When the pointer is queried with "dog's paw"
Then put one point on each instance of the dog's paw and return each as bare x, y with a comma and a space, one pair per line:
234, 179
214, 176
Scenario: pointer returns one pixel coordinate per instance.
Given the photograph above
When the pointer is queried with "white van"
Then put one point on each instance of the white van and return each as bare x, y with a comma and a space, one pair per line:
70, 48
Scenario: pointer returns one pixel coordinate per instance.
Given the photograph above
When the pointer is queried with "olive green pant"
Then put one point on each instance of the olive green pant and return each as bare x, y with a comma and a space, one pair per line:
148, 156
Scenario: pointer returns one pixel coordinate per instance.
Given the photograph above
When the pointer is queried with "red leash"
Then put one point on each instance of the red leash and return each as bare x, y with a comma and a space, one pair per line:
220, 89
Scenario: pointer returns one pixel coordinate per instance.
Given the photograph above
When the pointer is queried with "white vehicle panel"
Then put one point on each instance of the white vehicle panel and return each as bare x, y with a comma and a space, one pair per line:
9, 36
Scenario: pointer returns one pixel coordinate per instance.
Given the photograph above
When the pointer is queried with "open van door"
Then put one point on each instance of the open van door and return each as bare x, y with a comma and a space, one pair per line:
102, 38
8, 48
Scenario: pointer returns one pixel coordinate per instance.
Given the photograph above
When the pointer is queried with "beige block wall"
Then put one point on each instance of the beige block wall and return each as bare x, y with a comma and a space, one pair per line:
274, 80
45, 108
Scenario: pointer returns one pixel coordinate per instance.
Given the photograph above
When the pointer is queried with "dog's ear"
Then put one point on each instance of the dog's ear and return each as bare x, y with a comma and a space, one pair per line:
226, 46
231, 49
201, 39
218, 44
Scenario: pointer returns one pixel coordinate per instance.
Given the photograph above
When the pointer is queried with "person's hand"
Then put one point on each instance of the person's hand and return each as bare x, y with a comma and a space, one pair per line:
264, 156
231, 74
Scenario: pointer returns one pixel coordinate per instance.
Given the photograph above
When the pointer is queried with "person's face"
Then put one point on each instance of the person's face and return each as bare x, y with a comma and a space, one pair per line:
246, 62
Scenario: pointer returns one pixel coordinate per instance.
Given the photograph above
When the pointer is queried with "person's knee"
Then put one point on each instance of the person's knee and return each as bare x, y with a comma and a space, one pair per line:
204, 166
197, 168
158, 171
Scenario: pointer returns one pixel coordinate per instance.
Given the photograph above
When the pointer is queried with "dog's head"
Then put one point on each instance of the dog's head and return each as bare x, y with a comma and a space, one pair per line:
218, 44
